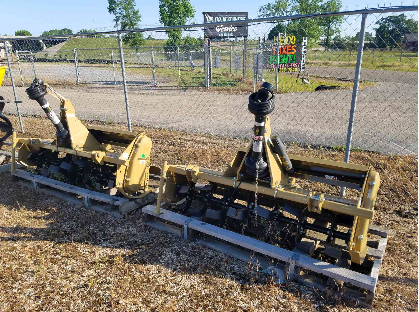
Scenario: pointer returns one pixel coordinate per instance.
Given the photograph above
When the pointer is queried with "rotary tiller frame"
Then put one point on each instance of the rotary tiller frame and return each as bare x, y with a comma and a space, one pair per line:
86, 156
258, 195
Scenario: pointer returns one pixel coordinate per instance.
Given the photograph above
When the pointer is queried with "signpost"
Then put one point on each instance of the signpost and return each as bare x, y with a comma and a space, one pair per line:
221, 31
287, 55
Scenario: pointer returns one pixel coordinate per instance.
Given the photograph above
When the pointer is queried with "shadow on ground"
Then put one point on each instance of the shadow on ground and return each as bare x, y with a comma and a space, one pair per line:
35, 217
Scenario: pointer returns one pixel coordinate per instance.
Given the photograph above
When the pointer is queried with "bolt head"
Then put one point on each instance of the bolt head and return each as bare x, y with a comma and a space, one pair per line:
360, 237
372, 183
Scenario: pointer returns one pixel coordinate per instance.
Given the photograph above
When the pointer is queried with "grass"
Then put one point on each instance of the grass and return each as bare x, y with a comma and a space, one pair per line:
58, 256
87, 48
223, 80
395, 60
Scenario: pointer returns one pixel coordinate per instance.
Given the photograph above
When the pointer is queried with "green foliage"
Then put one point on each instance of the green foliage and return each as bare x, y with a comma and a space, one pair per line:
55, 32
330, 25
22, 33
191, 43
133, 39
278, 8
87, 31
174, 13
278, 29
126, 17
312, 28
368, 36
339, 43
391, 30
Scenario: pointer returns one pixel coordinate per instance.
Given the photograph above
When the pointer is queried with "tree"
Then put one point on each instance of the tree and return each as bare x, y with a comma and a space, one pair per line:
22, 33
191, 43
278, 29
126, 17
278, 8
306, 27
55, 32
89, 31
175, 13
367, 37
330, 24
391, 30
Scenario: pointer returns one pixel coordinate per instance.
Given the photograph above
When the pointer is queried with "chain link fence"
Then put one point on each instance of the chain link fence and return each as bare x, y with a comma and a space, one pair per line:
203, 86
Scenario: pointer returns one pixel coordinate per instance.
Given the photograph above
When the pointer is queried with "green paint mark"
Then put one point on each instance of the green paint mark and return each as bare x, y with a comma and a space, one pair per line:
143, 155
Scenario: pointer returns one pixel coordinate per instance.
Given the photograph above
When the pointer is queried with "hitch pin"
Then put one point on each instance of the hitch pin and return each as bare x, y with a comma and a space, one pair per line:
234, 182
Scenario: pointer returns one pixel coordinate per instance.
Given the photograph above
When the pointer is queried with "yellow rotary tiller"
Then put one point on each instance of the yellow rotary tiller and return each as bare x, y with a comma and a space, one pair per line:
87, 156
259, 195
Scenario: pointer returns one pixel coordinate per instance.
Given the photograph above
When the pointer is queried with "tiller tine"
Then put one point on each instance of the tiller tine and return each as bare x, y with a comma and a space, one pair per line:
238, 214
264, 213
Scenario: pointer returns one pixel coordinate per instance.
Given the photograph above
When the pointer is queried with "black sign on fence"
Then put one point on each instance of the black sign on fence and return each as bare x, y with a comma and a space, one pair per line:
225, 31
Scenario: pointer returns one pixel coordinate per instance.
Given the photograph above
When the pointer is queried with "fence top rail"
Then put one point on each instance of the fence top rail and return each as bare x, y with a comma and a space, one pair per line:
390, 9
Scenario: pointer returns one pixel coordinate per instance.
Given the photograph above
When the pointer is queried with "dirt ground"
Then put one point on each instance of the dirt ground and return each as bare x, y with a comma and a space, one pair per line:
58, 256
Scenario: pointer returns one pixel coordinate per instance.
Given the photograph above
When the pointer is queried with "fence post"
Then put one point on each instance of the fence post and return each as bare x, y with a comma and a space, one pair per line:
178, 65
20, 68
255, 64
355, 92
231, 56
75, 65
206, 72
277, 65
113, 68
13, 85
152, 64
124, 82
244, 57
33, 65
209, 61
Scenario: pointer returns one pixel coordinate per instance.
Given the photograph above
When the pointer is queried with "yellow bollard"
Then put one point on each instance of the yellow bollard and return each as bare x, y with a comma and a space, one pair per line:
2, 72
162, 181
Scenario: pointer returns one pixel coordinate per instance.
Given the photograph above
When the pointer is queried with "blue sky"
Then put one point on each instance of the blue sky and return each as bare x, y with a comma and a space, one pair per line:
38, 16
